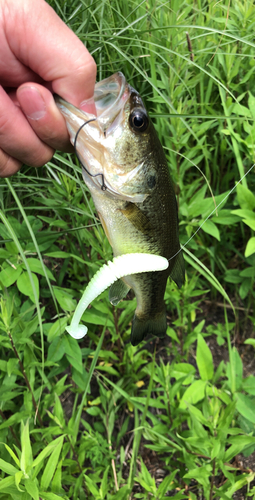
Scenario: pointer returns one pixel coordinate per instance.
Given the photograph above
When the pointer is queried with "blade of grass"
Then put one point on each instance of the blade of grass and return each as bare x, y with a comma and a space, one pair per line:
91, 371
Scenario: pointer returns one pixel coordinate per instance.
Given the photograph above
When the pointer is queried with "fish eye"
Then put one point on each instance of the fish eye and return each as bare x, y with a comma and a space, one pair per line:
138, 120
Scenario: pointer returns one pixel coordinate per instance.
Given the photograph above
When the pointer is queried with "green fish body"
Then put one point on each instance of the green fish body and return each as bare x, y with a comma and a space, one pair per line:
133, 194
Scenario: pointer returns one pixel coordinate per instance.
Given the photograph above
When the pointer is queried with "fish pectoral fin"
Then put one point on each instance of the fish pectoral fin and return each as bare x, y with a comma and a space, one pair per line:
118, 291
139, 220
178, 272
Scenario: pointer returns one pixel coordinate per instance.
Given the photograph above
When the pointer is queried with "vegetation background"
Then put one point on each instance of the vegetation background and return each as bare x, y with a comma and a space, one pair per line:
98, 418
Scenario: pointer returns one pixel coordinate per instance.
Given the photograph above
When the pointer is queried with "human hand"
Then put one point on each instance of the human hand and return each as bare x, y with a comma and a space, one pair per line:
39, 55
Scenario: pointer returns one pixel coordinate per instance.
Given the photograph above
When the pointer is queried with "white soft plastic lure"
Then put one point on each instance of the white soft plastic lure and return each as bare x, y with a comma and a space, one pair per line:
123, 265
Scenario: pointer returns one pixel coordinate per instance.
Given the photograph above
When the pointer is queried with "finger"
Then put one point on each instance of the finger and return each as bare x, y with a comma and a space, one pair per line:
8, 165
38, 105
12, 71
58, 57
17, 138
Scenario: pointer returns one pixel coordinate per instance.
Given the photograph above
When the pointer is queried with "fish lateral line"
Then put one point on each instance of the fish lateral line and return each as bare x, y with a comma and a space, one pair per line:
214, 210
103, 187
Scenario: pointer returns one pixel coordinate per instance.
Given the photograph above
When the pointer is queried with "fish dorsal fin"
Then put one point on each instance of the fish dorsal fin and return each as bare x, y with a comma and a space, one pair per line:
118, 291
178, 272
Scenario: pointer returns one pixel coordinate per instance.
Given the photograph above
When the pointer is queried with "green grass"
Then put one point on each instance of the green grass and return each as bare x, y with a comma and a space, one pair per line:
98, 418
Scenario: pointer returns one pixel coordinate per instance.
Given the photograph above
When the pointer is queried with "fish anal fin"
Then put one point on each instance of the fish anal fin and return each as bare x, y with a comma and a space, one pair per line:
118, 291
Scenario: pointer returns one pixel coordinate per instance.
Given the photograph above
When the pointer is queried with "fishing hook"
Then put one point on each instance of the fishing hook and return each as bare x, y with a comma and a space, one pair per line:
103, 187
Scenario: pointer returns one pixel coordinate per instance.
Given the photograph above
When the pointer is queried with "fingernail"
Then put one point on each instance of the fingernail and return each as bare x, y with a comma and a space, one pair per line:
32, 103
89, 106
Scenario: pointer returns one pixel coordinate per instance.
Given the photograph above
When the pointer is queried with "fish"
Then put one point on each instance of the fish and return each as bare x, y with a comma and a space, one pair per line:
126, 171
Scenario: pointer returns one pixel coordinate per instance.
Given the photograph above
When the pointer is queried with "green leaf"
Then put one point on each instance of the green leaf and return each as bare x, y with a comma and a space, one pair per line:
167, 484
244, 213
245, 405
245, 288
250, 342
51, 465
36, 266
91, 486
32, 489
50, 496
56, 350
250, 247
8, 468
26, 459
57, 329
172, 333
14, 419
24, 285
251, 102
9, 275
225, 217
238, 109
65, 298
80, 378
238, 445
250, 223
246, 198
181, 370
234, 370
6, 482
249, 272
73, 352
11, 365
194, 393
210, 228
204, 359
14, 457
104, 483
46, 451
30, 327
58, 254
18, 477
4, 254
58, 411
216, 449
199, 417
108, 369
56, 483
96, 318
248, 384
196, 202
94, 411
122, 494
201, 474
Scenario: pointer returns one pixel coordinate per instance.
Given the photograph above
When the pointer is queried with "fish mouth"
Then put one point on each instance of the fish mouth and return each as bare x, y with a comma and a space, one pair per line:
110, 96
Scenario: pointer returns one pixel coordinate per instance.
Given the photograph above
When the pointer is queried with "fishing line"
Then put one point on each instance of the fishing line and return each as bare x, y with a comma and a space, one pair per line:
103, 187
214, 210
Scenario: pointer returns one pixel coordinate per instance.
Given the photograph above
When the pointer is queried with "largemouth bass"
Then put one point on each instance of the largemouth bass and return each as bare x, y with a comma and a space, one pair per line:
126, 171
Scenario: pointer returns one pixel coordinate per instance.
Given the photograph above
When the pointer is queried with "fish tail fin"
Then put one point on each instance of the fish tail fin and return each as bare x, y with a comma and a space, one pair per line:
141, 327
